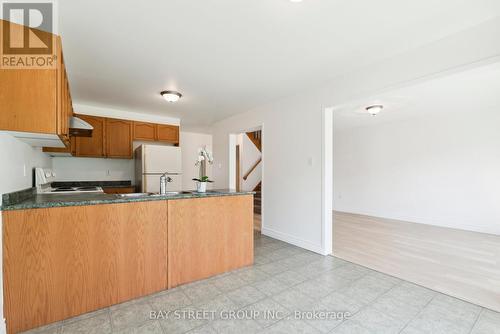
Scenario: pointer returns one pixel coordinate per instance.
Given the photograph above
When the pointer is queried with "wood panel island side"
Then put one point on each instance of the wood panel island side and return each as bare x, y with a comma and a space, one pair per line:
61, 262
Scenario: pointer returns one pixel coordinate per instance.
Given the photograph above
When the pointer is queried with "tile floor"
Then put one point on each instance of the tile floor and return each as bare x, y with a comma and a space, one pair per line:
289, 281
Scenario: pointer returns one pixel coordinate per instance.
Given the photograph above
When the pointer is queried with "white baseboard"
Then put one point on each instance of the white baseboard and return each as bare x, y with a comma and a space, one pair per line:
293, 240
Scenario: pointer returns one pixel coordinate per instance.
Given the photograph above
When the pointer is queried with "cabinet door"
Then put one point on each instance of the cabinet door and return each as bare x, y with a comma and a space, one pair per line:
92, 146
63, 262
28, 97
118, 190
208, 236
167, 133
118, 138
144, 131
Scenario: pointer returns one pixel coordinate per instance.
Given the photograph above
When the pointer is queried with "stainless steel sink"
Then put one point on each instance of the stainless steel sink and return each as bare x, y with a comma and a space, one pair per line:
135, 195
172, 193
140, 195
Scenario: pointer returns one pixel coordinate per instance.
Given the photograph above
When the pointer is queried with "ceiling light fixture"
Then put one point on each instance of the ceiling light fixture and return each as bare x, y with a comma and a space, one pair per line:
171, 96
375, 109
295, 0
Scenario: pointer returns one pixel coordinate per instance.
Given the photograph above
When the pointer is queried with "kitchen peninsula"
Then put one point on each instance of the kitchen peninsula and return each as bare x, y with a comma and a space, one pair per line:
66, 255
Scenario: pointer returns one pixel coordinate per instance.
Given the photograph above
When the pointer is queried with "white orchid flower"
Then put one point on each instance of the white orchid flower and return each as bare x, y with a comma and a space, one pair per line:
204, 155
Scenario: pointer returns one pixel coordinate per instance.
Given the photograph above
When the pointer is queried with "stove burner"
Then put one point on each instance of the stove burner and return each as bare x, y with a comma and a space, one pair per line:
76, 189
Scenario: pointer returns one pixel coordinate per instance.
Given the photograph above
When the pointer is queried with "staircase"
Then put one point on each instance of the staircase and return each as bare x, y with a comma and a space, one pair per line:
257, 199
256, 138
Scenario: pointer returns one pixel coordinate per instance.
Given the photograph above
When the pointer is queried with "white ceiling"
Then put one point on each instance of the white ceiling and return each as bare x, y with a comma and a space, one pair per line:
228, 56
468, 91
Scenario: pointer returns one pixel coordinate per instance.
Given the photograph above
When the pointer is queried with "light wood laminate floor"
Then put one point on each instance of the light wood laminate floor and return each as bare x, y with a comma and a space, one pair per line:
459, 263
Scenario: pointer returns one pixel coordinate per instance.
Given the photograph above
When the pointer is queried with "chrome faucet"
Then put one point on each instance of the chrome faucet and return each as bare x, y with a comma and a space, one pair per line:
164, 179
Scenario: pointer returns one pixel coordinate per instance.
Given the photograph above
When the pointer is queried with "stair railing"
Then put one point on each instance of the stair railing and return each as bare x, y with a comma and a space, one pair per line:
245, 177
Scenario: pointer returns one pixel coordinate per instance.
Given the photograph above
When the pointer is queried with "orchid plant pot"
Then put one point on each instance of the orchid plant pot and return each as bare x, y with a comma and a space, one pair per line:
201, 187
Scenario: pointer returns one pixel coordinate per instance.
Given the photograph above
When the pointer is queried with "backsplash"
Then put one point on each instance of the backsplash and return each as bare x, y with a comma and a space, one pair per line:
92, 169
17, 196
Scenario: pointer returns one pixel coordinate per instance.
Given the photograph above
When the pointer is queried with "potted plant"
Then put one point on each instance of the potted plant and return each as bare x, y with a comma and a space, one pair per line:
204, 157
201, 184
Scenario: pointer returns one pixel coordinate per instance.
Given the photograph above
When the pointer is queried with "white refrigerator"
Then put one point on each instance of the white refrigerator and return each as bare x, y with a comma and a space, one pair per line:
152, 161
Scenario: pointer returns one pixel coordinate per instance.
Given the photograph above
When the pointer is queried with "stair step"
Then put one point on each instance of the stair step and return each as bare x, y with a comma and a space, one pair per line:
257, 199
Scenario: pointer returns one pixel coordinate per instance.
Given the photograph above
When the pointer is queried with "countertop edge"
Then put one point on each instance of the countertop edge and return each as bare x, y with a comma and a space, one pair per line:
118, 200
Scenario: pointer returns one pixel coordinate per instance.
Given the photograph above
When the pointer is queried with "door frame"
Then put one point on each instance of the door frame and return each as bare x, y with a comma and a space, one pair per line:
238, 168
327, 182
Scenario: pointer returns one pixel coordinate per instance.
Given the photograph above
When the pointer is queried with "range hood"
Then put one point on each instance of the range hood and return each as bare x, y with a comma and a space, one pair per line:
79, 128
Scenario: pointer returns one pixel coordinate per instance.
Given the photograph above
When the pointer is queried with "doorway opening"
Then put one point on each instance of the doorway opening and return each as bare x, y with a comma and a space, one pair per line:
246, 171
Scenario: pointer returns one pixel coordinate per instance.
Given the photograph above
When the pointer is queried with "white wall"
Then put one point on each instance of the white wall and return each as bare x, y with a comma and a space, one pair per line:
17, 158
190, 142
292, 140
437, 169
292, 197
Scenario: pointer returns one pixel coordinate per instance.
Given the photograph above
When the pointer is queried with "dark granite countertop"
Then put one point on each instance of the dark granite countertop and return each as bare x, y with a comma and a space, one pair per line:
103, 184
52, 200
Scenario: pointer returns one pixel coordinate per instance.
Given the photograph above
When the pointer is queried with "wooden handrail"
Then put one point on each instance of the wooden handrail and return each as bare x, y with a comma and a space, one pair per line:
252, 169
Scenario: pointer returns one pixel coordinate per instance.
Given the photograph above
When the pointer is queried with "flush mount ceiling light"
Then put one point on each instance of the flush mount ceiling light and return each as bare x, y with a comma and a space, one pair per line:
171, 96
295, 0
374, 109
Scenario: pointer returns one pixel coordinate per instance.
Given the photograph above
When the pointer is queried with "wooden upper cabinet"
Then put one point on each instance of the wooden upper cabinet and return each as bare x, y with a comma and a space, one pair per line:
112, 138
118, 138
144, 131
167, 133
28, 100
34, 100
92, 146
